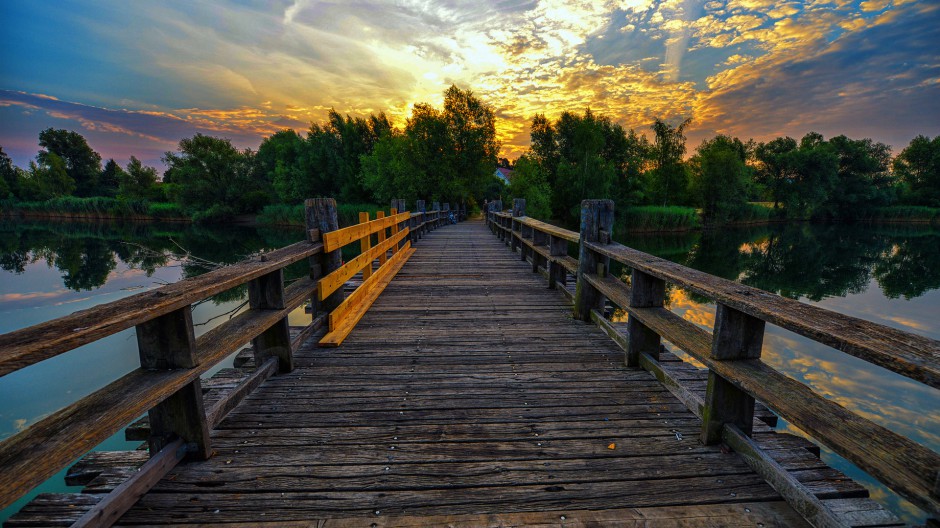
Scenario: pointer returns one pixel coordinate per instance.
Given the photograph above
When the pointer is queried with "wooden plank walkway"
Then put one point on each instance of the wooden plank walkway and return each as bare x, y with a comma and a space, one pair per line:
467, 395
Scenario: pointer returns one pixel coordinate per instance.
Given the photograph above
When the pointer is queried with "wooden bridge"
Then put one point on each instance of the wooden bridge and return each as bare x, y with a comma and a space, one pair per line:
467, 394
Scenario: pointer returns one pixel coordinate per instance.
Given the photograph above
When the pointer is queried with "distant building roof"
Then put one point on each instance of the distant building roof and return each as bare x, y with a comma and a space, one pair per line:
503, 174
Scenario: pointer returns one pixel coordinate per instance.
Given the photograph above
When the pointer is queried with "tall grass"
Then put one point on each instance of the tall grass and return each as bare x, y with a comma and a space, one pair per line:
660, 218
904, 213
753, 212
283, 214
94, 206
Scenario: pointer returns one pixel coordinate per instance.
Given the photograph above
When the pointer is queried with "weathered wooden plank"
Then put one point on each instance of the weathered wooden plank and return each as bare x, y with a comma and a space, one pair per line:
110, 508
338, 278
334, 240
801, 498
356, 305
549, 229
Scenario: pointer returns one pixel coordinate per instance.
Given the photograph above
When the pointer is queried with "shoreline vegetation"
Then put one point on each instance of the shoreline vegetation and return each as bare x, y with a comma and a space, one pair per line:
450, 154
637, 219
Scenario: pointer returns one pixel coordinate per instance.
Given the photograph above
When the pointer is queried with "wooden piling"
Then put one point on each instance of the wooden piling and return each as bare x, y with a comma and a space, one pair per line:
597, 222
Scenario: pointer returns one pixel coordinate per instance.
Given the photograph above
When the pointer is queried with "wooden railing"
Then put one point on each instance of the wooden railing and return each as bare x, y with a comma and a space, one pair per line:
167, 385
731, 351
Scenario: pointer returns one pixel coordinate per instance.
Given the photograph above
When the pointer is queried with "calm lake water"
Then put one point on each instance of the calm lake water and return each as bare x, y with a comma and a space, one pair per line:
890, 275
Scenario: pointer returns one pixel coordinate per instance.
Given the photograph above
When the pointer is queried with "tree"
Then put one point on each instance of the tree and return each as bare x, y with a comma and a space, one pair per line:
282, 161
774, 167
719, 178
137, 181
918, 167
389, 171
863, 180
471, 128
214, 178
583, 170
545, 147
669, 177
529, 182
109, 179
46, 178
814, 168
8, 177
82, 164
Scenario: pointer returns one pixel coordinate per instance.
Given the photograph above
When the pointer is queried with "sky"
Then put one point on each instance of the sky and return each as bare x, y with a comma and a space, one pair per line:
134, 76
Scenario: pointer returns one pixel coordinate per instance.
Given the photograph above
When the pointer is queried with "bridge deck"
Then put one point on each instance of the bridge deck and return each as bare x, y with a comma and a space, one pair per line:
468, 394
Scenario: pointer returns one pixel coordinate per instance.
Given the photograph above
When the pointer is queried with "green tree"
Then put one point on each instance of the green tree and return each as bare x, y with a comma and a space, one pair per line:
545, 147
389, 171
719, 178
282, 160
529, 182
814, 169
863, 180
109, 179
214, 178
774, 167
918, 167
8, 177
583, 169
669, 176
82, 164
46, 178
137, 181
471, 129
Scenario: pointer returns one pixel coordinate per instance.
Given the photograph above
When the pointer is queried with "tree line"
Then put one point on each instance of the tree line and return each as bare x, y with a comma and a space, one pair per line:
450, 154
444, 154
585, 155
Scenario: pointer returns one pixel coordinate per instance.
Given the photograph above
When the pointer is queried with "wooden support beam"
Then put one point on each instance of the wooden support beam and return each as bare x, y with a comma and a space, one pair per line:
518, 210
557, 274
267, 293
321, 214
364, 244
168, 343
596, 216
539, 239
646, 292
380, 236
736, 336
123, 497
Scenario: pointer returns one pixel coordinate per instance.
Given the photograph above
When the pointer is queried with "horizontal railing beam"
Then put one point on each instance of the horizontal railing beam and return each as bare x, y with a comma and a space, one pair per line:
910, 355
336, 239
22, 348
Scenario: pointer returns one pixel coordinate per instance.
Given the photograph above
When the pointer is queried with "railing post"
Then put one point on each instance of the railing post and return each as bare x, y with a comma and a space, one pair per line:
646, 291
423, 209
557, 274
437, 214
365, 243
538, 239
597, 222
518, 211
736, 335
393, 230
401, 208
168, 342
321, 215
267, 293
380, 237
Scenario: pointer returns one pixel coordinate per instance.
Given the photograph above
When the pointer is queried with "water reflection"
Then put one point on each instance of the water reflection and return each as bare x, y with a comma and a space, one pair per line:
809, 261
86, 255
